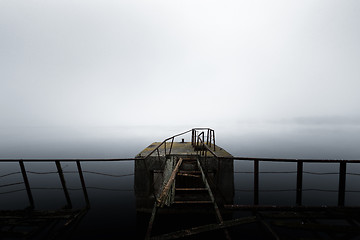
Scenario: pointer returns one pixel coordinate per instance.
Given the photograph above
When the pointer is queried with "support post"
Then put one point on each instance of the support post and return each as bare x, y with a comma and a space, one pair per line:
62, 179
299, 183
210, 141
207, 137
172, 141
342, 182
256, 182
192, 137
158, 153
27, 185
83, 184
214, 140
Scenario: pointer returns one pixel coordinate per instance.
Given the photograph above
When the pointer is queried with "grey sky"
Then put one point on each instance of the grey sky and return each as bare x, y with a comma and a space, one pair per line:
254, 65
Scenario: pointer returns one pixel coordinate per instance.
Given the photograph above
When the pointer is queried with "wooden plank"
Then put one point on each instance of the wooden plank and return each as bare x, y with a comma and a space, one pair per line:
188, 175
165, 192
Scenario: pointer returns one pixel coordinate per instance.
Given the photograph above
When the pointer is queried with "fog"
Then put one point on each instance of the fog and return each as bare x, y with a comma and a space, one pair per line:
107, 78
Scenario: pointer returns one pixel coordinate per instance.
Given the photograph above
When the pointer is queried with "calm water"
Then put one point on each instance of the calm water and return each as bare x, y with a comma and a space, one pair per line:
113, 202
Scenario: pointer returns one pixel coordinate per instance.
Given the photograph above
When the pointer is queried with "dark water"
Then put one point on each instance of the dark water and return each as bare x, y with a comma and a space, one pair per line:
113, 212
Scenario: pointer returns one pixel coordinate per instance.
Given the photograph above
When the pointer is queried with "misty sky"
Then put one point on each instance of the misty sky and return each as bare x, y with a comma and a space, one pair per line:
224, 64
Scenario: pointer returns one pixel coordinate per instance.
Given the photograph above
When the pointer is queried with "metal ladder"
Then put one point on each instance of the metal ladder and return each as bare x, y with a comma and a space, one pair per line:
180, 170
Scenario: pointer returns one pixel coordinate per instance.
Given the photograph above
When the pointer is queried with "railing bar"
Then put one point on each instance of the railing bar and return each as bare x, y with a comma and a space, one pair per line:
158, 154
62, 179
70, 160
27, 185
291, 160
83, 184
342, 183
299, 181
172, 141
256, 182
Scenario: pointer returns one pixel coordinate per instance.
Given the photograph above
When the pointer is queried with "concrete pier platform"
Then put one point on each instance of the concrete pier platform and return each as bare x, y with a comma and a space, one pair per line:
179, 148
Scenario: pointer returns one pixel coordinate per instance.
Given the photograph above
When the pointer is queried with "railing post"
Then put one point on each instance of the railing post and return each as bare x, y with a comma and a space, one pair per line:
207, 137
210, 142
158, 154
342, 182
256, 182
214, 140
27, 185
299, 183
83, 184
62, 179
172, 141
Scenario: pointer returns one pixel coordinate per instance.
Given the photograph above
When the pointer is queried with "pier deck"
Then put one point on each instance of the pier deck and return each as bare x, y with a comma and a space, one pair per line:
180, 148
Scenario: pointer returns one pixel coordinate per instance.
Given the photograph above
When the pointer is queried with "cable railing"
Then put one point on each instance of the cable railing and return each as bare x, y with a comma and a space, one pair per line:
203, 141
60, 172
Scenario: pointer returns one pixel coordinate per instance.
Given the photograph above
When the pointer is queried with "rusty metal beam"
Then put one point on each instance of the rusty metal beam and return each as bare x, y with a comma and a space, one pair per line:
267, 227
216, 208
151, 221
205, 228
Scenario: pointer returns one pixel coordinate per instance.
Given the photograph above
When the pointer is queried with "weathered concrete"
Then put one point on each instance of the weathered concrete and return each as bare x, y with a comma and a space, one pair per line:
149, 175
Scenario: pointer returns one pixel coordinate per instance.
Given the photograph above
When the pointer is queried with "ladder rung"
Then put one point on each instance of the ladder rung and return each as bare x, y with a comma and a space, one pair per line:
188, 175
185, 171
192, 202
190, 189
189, 160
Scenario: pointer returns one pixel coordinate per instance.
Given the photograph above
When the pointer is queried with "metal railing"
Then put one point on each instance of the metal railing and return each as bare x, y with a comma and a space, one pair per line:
60, 172
299, 175
207, 143
198, 138
299, 172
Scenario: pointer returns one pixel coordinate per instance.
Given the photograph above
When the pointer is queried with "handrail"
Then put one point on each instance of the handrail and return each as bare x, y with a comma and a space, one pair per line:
210, 137
68, 159
291, 160
173, 137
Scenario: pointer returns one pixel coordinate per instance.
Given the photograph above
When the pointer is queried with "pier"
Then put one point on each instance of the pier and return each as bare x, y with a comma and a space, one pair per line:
186, 189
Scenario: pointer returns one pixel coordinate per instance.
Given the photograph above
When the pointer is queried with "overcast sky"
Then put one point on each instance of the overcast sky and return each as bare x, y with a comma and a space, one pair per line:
179, 63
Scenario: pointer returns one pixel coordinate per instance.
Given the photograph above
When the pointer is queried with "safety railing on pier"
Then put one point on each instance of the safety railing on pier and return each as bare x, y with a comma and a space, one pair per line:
204, 137
299, 175
60, 172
